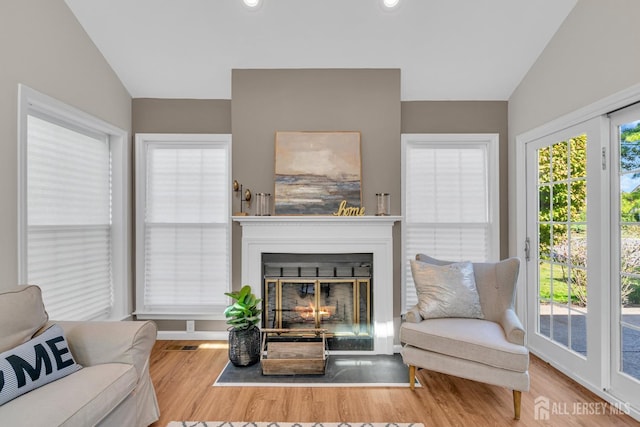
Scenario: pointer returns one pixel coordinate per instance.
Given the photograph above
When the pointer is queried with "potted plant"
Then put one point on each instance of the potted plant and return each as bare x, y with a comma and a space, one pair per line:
244, 335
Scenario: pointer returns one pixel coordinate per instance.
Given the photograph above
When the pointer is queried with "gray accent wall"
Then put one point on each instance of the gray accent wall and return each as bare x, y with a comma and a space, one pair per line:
368, 101
265, 101
44, 47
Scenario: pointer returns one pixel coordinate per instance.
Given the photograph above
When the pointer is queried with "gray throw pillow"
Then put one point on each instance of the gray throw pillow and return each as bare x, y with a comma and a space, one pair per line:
446, 290
35, 363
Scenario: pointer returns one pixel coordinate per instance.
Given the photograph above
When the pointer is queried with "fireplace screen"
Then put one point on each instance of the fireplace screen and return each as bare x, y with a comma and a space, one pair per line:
335, 296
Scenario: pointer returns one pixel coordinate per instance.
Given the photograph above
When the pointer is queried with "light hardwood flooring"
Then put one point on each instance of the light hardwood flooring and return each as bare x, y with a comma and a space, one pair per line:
183, 382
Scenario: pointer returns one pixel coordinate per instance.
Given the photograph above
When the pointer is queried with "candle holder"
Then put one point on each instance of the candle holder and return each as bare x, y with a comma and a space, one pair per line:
263, 204
383, 204
245, 196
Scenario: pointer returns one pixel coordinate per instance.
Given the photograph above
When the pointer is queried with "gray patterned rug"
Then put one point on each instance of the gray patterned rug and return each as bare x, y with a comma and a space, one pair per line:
341, 371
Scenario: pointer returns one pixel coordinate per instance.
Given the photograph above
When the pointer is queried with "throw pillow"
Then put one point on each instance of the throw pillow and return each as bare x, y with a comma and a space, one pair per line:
446, 290
35, 363
22, 313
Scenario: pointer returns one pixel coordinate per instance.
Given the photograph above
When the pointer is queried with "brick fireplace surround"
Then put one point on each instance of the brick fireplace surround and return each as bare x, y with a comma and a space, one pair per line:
328, 235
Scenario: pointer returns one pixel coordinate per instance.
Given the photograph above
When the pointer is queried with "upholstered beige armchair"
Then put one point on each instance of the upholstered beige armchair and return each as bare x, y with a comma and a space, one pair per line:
489, 349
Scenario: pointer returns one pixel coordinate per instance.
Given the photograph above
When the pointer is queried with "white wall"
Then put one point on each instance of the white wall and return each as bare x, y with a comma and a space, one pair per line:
593, 55
43, 46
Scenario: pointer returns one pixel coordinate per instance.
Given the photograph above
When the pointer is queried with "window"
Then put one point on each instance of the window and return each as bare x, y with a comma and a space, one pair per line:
183, 225
450, 200
71, 223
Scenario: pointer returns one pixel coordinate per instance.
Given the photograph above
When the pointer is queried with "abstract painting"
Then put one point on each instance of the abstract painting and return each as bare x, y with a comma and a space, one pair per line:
315, 171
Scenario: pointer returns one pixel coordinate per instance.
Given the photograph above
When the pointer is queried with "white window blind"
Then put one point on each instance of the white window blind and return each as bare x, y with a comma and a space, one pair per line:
450, 200
69, 219
184, 223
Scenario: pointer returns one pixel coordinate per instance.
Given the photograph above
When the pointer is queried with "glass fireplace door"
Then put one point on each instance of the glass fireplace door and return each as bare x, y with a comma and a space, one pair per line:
341, 306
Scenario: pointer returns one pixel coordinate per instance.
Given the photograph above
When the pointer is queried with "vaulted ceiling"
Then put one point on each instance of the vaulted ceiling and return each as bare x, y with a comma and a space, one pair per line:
446, 49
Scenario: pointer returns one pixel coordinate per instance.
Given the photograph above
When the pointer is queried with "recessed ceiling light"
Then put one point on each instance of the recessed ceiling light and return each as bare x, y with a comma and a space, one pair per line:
390, 3
252, 3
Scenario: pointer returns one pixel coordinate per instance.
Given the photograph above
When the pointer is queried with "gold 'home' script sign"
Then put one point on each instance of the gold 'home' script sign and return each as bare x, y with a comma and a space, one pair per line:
344, 210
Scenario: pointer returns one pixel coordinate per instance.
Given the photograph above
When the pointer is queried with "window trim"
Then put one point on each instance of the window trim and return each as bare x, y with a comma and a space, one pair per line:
142, 140
489, 140
32, 102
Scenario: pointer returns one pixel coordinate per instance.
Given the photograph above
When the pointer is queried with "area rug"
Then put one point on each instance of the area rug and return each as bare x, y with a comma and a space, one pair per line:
341, 371
279, 424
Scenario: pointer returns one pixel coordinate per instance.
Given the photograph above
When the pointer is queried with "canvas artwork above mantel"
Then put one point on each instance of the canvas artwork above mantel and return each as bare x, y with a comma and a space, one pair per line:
316, 171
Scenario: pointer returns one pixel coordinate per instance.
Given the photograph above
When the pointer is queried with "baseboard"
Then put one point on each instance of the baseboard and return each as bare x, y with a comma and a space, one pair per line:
197, 335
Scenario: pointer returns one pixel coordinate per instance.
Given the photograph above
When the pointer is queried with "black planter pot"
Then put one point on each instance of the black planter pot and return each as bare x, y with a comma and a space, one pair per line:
244, 346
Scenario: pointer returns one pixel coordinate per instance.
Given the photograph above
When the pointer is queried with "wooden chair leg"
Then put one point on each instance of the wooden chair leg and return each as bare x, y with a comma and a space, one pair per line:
517, 398
412, 377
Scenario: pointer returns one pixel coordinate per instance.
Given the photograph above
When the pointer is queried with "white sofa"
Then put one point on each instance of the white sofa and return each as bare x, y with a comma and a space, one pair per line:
113, 388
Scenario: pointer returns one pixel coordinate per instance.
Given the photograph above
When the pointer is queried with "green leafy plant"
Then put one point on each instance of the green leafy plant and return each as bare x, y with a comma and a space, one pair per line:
244, 312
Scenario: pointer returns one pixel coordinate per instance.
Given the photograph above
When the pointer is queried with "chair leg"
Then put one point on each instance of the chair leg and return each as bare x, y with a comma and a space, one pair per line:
412, 377
517, 398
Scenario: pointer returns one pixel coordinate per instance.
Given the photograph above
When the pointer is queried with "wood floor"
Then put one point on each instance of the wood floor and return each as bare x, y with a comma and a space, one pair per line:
183, 382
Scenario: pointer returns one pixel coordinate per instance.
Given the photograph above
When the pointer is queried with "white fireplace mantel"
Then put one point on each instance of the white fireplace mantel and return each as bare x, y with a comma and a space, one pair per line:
327, 235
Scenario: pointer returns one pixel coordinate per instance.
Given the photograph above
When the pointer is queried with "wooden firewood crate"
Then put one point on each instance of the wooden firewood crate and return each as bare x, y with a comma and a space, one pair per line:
303, 353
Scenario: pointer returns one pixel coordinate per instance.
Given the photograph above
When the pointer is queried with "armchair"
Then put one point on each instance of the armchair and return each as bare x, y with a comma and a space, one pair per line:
489, 350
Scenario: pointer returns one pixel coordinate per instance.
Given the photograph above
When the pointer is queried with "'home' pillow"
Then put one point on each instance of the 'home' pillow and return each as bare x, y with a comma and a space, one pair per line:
446, 290
35, 363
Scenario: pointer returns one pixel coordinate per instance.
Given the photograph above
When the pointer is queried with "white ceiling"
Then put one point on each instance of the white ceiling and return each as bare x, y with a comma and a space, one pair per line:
446, 49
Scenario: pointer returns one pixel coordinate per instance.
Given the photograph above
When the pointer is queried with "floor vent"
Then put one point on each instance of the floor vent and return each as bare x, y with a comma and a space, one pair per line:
178, 347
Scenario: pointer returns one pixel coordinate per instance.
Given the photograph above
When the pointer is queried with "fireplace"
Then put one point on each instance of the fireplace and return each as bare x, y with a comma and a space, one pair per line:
327, 291
337, 239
